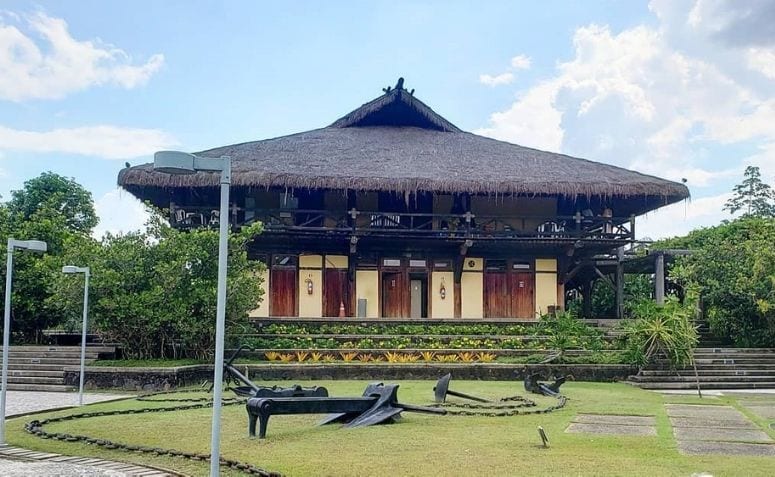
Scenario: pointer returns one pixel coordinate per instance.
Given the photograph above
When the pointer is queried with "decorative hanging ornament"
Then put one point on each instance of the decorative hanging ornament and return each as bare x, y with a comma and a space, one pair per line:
442, 290
310, 285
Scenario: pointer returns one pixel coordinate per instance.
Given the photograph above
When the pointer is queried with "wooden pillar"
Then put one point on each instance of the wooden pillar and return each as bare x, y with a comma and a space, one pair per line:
619, 283
659, 279
457, 275
586, 297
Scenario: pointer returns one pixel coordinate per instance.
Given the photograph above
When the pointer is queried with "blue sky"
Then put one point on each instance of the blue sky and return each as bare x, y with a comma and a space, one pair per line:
676, 89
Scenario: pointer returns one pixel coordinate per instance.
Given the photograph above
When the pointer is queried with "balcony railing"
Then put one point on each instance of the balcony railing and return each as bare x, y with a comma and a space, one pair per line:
426, 225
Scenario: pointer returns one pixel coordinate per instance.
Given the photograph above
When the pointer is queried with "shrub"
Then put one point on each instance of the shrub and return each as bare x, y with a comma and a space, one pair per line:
665, 330
565, 331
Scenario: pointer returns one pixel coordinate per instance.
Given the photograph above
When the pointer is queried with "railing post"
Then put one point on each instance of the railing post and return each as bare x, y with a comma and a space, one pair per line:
354, 217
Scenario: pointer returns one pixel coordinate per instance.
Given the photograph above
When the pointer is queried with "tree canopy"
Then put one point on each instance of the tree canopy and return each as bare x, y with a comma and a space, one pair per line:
753, 197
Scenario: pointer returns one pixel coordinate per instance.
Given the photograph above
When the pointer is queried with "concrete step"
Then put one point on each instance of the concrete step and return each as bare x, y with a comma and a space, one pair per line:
41, 374
60, 349
40, 367
710, 367
703, 379
712, 372
35, 380
691, 385
52, 354
40, 387
56, 361
734, 361
735, 350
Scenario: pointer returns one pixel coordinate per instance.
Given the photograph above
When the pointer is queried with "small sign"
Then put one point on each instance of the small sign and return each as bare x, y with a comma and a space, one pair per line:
542, 434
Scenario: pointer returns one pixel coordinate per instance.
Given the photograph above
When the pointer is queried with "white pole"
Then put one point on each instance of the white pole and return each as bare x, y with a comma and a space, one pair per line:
220, 319
83, 334
6, 336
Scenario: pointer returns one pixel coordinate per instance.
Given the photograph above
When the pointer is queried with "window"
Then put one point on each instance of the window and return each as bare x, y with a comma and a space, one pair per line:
284, 260
495, 265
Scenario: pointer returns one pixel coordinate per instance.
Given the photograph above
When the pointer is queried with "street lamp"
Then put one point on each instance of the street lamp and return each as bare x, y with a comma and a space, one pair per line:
32, 246
174, 162
86, 274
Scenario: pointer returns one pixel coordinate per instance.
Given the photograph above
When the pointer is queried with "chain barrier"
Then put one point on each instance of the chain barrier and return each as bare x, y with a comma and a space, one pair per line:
36, 428
499, 409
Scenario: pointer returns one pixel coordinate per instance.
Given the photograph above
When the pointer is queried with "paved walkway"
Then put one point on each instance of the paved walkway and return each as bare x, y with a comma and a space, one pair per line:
25, 402
22, 462
701, 429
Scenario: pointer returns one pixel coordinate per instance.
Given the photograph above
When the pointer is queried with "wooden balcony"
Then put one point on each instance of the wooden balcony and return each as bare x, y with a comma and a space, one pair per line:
358, 223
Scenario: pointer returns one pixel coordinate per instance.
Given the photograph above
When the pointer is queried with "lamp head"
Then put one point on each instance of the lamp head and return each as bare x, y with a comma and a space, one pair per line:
31, 245
174, 162
74, 269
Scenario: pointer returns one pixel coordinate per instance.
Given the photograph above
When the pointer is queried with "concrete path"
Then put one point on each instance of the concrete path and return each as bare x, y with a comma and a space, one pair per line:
15, 461
22, 462
617, 425
25, 402
702, 429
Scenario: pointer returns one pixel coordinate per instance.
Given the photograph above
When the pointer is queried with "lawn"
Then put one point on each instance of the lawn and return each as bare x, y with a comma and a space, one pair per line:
419, 445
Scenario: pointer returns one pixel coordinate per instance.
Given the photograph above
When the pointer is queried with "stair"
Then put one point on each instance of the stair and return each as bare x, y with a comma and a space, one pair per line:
41, 368
717, 368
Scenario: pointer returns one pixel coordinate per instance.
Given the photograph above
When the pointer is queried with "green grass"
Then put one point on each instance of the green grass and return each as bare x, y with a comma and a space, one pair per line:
420, 444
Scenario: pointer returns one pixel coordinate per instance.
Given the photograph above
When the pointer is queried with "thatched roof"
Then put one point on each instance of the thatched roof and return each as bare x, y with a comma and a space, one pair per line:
397, 143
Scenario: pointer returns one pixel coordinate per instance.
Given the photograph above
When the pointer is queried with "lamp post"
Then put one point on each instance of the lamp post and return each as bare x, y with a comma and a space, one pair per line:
174, 162
86, 275
32, 246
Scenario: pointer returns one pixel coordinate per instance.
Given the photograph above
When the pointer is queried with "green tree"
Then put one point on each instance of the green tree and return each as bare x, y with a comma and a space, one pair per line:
753, 196
56, 193
58, 211
154, 292
732, 269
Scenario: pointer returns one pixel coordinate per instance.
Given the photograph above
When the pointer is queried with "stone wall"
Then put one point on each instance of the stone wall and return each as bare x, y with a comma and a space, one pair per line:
140, 379
155, 379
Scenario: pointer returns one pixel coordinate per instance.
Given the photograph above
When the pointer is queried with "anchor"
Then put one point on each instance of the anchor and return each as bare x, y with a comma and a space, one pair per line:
532, 385
252, 390
441, 390
379, 404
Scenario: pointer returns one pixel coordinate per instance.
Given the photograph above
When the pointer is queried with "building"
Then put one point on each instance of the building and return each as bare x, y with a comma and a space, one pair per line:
393, 211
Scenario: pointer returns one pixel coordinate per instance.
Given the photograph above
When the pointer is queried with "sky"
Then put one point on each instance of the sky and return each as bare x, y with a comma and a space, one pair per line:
677, 89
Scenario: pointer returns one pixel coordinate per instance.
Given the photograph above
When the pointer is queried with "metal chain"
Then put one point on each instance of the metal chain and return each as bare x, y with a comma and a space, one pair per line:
36, 428
499, 410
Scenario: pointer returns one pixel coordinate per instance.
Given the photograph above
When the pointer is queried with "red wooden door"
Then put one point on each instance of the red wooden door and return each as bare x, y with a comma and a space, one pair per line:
337, 291
393, 295
282, 287
496, 298
522, 301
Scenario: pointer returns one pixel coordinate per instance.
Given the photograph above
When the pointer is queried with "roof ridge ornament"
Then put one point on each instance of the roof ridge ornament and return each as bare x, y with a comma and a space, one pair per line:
398, 87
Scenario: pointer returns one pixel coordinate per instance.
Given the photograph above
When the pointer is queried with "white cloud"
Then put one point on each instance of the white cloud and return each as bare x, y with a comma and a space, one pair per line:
521, 62
762, 60
532, 120
108, 142
678, 219
661, 99
119, 212
503, 78
46, 62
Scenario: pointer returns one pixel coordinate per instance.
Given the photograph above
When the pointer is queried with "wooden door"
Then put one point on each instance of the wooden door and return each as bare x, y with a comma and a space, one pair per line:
522, 301
282, 285
392, 295
337, 291
496, 298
